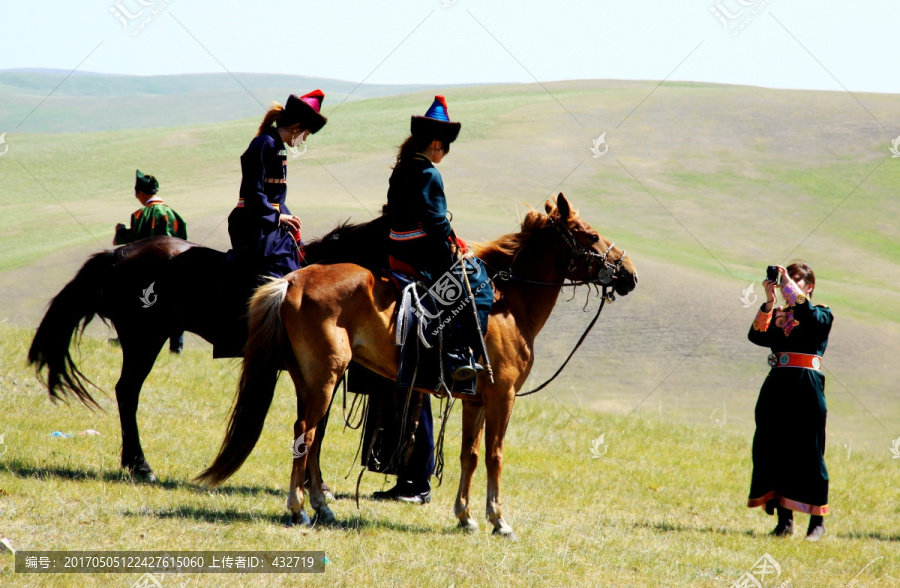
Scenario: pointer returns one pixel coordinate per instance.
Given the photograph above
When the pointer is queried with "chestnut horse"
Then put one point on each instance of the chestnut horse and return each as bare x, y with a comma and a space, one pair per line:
315, 320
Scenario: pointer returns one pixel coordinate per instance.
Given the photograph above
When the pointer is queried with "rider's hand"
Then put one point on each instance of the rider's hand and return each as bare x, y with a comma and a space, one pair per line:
119, 227
461, 246
292, 222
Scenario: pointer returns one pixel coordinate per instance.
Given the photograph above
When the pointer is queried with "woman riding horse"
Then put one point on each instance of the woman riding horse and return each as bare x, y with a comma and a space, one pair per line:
316, 320
423, 244
264, 233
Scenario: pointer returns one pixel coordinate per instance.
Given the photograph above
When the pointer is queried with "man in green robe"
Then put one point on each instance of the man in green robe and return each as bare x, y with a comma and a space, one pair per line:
154, 218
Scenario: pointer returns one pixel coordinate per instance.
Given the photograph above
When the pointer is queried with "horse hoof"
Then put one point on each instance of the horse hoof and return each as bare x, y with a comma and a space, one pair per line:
324, 517
300, 518
141, 474
469, 526
505, 532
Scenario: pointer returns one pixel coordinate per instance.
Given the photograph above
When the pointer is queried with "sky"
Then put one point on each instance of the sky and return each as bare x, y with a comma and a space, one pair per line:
826, 45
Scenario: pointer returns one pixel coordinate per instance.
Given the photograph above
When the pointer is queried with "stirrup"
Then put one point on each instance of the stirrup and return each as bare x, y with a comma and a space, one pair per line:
464, 373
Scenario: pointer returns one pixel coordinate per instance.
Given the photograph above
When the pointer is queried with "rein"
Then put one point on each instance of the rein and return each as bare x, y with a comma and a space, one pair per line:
606, 273
577, 345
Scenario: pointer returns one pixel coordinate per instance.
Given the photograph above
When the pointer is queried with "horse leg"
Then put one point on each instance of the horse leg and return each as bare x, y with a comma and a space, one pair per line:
472, 427
298, 473
311, 408
498, 411
138, 356
317, 497
320, 437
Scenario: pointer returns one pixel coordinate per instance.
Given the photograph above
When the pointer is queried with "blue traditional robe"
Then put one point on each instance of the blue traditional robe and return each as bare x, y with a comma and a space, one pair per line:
420, 236
258, 239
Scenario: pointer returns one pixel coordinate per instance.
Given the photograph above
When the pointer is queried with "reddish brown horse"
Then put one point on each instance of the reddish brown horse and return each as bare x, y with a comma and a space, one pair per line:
317, 319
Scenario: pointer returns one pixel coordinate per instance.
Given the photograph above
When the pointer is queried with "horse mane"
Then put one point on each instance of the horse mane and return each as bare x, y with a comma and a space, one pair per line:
364, 244
500, 252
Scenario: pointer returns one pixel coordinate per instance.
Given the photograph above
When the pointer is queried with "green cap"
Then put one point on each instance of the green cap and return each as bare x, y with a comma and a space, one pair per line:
146, 183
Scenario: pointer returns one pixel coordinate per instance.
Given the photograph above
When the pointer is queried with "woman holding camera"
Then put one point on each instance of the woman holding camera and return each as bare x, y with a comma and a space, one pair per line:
789, 471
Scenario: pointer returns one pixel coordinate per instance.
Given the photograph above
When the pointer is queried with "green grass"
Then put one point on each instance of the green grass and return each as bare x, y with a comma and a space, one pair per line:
699, 177
663, 506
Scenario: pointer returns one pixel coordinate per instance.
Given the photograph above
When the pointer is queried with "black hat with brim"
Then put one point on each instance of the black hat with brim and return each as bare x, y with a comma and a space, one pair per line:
423, 126
304, 111
436, 123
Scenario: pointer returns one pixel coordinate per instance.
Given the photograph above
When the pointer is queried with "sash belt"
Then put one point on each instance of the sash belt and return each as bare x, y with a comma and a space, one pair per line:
275, 205
408, 235
798, 360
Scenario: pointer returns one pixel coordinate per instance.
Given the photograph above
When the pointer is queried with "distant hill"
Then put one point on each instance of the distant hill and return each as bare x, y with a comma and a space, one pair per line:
703, 184
89, 101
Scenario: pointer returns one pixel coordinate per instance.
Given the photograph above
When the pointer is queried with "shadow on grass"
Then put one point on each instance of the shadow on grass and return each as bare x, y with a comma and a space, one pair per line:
669, 527
869, 535
24, 470
206, 515
228, 515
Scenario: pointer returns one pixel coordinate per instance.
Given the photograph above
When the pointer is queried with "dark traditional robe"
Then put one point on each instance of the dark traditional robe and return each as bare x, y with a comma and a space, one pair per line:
259, 241
789, 444
420, 242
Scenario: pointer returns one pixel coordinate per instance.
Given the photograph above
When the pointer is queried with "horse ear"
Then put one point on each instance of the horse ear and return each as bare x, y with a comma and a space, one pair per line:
549, 206
563, 204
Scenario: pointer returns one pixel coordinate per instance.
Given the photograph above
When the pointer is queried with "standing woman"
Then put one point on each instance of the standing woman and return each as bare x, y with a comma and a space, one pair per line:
789, 471
264, 233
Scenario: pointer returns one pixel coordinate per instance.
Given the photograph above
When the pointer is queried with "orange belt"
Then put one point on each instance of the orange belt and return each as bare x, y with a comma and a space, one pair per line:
275, 205
799, 360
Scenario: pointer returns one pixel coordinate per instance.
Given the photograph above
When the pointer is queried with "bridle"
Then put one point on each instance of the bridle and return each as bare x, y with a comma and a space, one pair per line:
607, 272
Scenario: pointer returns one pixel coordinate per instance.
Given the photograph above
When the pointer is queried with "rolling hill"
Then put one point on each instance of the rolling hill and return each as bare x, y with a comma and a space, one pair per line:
704, 185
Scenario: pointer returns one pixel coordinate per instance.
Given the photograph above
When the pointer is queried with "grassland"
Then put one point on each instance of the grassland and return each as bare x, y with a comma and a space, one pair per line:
704, 185
663, 507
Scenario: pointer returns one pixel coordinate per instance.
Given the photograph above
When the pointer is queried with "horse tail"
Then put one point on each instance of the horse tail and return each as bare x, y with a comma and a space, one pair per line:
68, 315
263, 357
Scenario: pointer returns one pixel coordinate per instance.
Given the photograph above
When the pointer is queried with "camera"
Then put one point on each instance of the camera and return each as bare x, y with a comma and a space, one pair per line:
772, 273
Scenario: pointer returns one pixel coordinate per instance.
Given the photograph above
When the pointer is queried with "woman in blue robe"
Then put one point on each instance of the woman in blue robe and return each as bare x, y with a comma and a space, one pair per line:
264, 233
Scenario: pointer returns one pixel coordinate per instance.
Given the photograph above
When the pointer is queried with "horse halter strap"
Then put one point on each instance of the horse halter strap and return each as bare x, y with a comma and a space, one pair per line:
606, 271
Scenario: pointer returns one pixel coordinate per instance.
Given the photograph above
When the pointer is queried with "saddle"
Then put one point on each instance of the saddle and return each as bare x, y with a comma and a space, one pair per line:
421, 325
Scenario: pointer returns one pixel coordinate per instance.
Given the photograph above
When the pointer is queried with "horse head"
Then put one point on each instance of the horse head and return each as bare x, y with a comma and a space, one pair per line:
592, 258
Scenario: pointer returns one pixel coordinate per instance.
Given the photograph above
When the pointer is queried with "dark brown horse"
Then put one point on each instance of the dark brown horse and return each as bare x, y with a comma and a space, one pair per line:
317, 319
195, 289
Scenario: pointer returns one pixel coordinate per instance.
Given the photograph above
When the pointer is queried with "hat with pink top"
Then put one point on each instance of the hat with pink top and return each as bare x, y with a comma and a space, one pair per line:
305, 111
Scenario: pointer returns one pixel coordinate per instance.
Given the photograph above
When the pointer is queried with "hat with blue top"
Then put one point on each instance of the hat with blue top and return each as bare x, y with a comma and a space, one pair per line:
436, 123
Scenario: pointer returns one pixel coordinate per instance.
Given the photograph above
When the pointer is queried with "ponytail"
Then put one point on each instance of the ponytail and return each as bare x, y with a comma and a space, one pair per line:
272, 115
